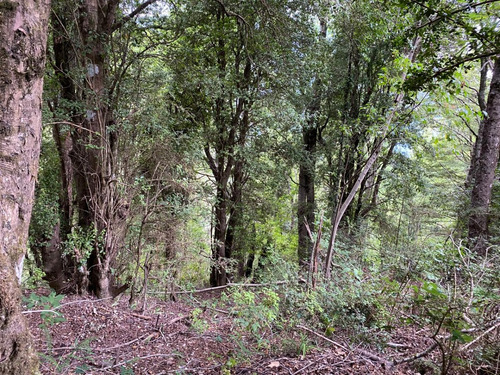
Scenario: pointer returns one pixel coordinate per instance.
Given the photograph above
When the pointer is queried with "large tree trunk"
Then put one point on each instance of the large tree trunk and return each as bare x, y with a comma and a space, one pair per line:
486, 164
23, 36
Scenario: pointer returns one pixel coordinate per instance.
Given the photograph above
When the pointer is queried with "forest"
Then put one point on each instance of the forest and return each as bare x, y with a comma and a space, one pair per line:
249, 187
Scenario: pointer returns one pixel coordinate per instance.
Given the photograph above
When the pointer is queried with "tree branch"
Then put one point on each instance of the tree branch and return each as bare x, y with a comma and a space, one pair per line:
131, 15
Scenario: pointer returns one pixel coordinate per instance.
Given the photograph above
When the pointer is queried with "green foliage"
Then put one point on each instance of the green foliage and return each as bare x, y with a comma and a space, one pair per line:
35, 276
81, 242
199, 324
255, 313
48, 306
81, 354
45, 215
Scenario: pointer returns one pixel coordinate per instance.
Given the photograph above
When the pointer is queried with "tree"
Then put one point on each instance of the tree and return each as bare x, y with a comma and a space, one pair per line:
486, 161
311, 134
23, 32
221, 75
89, 82
471, 35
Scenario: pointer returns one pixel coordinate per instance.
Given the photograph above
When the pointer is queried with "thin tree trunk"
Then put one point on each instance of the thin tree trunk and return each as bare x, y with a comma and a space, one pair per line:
23, 37
306, 194
218, 276
485, 168
307, 169
476, 150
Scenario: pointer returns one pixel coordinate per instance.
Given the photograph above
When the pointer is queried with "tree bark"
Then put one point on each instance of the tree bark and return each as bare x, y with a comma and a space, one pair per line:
306, 194
23, 36
486, 164
476, 150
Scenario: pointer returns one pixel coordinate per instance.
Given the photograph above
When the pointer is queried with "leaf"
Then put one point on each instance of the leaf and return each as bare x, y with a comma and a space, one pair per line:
274, 364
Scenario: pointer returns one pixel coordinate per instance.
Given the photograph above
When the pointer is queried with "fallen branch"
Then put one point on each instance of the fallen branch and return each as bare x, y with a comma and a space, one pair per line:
324, 338
178, 319
416, 356
395, 345
145, 337
138, 359
493, 327
53, 310
365, 353
228, 286
145, 317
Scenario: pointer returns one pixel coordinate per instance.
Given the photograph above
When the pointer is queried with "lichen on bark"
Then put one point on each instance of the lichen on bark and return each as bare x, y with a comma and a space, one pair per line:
23, 36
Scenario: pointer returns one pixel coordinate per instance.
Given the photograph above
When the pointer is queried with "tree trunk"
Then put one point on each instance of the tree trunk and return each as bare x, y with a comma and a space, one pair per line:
476, 149
23, 36
218, 274
486, 164
307, 169
306, 194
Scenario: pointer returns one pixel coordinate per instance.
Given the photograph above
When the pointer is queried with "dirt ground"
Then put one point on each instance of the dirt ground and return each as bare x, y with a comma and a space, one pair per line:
104, 337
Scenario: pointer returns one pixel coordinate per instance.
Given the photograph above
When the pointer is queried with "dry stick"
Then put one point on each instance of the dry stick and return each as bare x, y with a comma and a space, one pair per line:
230, 285
324, 338
416, 356
360, 351
74, 348
178, 319
53, 310
309, 365
138, 359
313, 263
481, 335
145, 317
371, 160
146, 336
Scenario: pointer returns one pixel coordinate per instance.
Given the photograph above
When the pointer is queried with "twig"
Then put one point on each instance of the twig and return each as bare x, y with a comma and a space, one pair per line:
480, 336
145, 336
66, 304
324, 338
230, 285
300, 371
396, 345
416, 356
145, 317
360, 351
138, 359
178, 319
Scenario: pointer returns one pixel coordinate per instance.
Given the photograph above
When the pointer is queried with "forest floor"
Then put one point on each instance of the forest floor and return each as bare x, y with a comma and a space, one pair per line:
103, 337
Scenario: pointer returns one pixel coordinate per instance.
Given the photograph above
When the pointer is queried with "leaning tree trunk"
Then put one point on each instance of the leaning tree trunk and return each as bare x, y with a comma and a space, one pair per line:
486, 164
23, 36
342, 207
